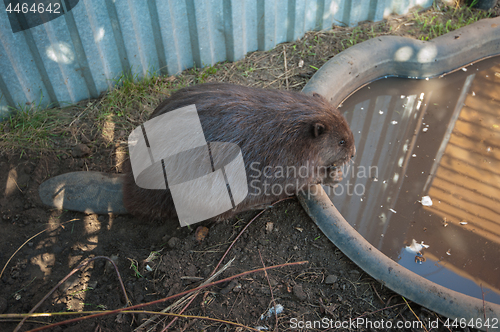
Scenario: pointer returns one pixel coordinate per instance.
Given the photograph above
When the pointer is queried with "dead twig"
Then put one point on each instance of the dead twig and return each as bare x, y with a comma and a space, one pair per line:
271, 290
286, 68
375, 290
414, 314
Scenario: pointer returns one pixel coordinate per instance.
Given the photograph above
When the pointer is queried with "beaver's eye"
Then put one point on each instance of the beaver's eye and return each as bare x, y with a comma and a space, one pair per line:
342, 142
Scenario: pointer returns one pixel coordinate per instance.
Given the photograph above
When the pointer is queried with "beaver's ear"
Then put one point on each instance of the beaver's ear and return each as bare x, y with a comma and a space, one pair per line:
317, 129
314, 94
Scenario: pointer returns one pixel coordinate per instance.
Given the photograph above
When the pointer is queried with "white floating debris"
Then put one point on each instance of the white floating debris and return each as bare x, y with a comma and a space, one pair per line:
463, 222
426, 78
464, 69
416, 247
448, 252
402, 96
392, 210
413, 155
473, 93
149, 268
262, 328
426, 201
394, 122
425, 129
301, 63
380, 112
278, 309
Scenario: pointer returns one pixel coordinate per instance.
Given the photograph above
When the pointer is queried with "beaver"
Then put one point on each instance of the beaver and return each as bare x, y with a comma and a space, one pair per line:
288, 140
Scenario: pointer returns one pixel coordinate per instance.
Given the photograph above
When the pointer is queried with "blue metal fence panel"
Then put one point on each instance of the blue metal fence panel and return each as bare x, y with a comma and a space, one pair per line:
83, 52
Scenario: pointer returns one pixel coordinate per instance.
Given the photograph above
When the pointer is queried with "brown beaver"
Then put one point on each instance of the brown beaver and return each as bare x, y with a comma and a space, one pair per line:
288, 140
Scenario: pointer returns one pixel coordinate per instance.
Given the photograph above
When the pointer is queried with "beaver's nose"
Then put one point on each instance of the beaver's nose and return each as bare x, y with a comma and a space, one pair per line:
353, 152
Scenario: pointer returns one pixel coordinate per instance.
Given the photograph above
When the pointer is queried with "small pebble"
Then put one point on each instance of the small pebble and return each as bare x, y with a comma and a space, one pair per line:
233, 284
299, 292
174, 242
80, 150
331, 279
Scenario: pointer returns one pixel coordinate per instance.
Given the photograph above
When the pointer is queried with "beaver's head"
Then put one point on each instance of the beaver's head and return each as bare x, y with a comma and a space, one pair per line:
333, 138
331, 131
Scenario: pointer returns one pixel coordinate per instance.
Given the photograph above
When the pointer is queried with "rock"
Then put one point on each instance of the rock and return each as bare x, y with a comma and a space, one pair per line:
174, 242
201, 233
331, 279
299, 292
229, 287
80, 150
273, 282
354, 274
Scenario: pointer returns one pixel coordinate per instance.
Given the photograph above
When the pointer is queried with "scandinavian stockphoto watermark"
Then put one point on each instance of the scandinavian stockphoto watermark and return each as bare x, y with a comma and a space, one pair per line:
279, 180
354, 181
361, 323
205, 178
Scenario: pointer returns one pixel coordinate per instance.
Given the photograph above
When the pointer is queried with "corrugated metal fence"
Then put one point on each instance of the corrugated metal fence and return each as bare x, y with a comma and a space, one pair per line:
86, 44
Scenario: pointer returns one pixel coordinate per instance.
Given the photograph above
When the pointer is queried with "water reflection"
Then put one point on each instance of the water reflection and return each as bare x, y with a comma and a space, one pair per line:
438, 138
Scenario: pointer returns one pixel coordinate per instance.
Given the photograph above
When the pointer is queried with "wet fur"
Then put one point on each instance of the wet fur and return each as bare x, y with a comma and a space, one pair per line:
272, 128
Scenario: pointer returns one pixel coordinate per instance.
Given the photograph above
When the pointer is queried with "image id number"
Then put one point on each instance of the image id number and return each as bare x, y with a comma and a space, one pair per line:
473, 323
40, 8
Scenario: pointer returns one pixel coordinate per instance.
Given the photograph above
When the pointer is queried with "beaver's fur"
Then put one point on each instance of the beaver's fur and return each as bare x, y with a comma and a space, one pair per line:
273, 128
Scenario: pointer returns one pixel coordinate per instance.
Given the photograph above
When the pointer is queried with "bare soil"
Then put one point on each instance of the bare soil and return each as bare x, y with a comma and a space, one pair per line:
328, 286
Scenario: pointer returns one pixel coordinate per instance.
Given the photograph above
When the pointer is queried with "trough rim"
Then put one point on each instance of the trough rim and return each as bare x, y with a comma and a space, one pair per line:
392, 56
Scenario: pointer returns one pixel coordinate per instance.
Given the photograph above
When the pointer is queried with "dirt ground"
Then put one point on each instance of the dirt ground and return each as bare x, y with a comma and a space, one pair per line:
158, 259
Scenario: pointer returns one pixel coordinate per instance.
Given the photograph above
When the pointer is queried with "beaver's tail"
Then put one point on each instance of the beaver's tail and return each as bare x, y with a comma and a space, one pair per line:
90, 192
